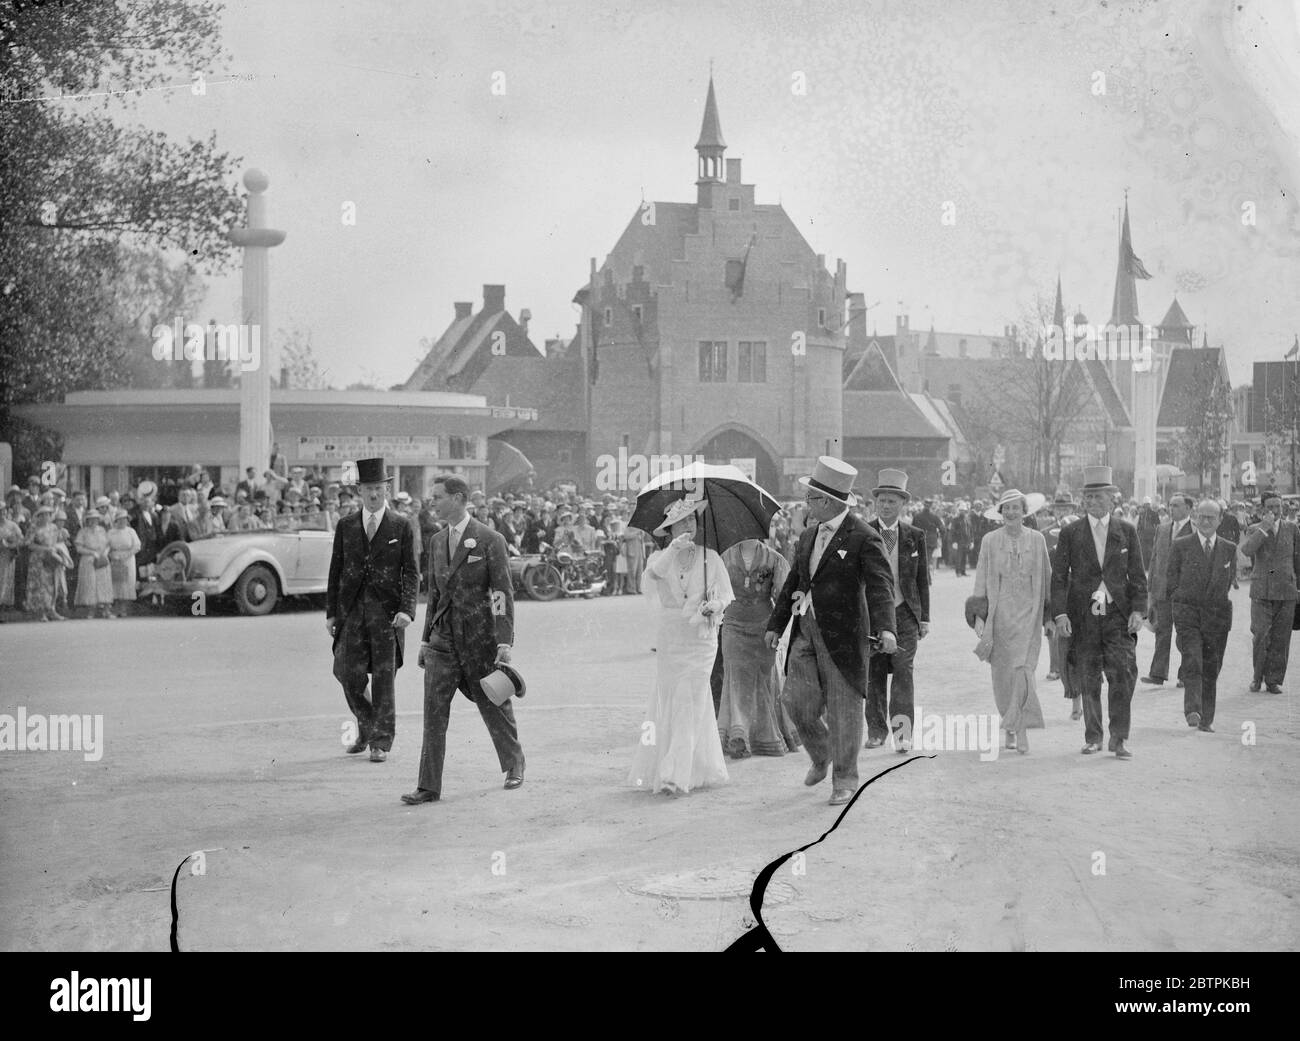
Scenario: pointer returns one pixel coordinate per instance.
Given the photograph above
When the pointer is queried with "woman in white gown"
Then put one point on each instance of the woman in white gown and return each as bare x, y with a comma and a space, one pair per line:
679, 747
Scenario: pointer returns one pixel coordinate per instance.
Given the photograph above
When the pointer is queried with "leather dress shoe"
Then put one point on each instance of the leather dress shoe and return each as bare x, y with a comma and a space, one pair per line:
1274, 688
1155, 681
514, 779
1193, 719
1254, 686
874, 742
1206, 728
357, 746
840, 796
904, 746
816, 774
1121, 752
418, 796
1091, 748
1180, 684
378, 755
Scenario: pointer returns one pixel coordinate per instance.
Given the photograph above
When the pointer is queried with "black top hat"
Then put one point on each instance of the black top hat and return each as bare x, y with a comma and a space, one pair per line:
371, 471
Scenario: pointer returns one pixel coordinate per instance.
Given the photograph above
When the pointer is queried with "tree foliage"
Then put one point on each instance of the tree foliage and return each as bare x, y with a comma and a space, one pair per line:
1026, 401
1206, 405
103, 222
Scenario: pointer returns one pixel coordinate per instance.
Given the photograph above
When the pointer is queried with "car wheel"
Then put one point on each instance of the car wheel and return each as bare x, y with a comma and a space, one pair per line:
256, 590
542, 582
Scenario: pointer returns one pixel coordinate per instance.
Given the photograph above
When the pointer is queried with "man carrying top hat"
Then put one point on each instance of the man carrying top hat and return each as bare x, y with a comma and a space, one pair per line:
1098, 583
469, 627
908, 561
840, 589
369, 602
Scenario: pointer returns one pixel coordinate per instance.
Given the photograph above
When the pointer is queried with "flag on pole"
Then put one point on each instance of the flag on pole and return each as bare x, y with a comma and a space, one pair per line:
1294, 352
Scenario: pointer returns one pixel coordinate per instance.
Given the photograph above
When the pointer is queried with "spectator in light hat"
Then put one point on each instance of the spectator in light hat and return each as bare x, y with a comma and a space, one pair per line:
94, 577
123, 545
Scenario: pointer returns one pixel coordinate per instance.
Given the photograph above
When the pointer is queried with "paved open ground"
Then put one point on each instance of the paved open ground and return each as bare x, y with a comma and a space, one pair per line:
223, 734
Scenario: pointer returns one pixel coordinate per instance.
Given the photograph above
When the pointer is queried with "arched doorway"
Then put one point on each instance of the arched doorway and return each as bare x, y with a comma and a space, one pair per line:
732, 443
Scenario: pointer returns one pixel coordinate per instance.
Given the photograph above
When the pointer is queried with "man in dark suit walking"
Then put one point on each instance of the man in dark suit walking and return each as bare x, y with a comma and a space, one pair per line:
468, 631
1274, 546
960, 534
839, 590
1178, 525
1098, 583
369, 602
1202, 568
890, 703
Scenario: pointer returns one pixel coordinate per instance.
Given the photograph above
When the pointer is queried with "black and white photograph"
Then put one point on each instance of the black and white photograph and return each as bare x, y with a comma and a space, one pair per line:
650, 476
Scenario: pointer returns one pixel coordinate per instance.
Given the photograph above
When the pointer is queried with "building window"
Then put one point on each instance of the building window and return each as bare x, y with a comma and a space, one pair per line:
627, 440
636, 313
733, 204
609, 317
462, 447
751, 362
713, 361
954, 393
564, 456
961, 348
821, 318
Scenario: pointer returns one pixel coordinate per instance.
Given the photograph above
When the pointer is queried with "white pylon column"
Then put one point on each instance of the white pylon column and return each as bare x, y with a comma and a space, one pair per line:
255, 385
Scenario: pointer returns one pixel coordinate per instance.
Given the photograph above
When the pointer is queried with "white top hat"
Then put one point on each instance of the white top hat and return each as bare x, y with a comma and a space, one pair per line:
833, 476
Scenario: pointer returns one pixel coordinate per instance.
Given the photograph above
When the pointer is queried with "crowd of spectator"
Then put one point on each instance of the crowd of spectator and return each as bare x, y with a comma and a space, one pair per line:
60, 554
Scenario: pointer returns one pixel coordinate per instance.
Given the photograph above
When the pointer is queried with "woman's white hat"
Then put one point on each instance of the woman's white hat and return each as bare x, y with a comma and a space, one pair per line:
679, 509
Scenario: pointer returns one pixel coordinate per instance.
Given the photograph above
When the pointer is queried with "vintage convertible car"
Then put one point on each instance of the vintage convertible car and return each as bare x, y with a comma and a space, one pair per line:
255, 567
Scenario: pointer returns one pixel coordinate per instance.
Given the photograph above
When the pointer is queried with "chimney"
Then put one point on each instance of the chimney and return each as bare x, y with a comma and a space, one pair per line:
858, 316
733, 171
524, 316
494, 298
284, 380
463, 309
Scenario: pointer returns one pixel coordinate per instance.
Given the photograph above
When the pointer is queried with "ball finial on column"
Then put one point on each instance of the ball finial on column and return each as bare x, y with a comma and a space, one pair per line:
256, 181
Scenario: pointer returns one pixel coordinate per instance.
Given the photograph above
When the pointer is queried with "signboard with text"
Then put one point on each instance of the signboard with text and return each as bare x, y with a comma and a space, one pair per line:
395, 450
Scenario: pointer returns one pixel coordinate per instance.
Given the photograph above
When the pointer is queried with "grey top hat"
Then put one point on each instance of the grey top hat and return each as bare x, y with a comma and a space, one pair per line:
894, 481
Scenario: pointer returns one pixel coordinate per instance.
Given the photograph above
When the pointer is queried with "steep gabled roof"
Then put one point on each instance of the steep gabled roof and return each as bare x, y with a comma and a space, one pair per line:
872, 372
1116, 414
891, 414
1185, 367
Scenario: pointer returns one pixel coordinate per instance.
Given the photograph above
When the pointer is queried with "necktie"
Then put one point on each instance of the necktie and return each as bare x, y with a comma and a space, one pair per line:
1209, 553
371, 524
890, 536
823, 537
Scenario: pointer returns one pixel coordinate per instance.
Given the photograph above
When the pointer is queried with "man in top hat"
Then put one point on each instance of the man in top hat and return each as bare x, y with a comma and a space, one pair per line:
1177, 526
369, 602
1099, 598
1202, 571
840, 589
1274, 545
905, 549
469, 627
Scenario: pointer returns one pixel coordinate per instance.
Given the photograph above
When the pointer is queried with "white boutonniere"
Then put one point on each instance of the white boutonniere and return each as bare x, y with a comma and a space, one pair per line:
469, 543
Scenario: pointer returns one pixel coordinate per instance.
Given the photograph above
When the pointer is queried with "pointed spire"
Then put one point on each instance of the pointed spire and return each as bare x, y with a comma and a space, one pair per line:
1058, 312
711, 128
1124, 307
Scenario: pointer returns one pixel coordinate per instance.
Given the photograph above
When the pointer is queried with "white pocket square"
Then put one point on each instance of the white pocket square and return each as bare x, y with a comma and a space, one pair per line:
916, 554
471, 559
843, 553
392, 542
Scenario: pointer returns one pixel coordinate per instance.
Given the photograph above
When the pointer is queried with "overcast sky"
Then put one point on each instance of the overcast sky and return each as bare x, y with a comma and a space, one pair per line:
992, 105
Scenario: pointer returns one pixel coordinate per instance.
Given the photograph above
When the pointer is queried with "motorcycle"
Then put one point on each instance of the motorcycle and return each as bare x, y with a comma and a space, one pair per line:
553, 573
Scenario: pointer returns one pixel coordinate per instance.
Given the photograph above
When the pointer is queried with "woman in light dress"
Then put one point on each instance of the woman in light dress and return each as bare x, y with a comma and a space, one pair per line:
679, 747
749, 719
11, 541
94, 576
42, 561
1015, 575
123, 545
